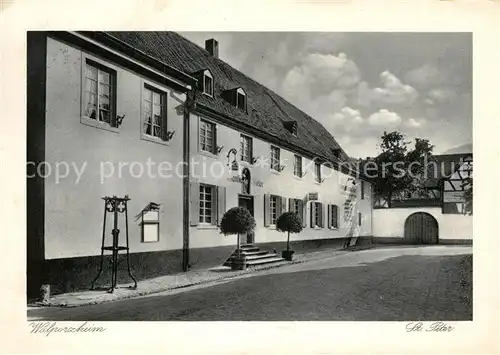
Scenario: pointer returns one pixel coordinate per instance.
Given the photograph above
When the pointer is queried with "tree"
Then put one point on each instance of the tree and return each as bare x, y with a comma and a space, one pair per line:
399, 169
291, 223
237, 220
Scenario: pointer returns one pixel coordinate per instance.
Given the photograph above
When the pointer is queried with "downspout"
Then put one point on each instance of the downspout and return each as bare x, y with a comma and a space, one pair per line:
188, 107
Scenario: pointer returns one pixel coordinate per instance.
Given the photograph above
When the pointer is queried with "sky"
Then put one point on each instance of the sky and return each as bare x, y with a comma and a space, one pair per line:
359, 85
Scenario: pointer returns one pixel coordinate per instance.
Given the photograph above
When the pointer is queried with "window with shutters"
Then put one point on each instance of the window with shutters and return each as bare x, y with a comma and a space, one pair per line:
334, 217
207, 205
207, 202
99, 96
207, 136
154, 114
316, 215
274, 206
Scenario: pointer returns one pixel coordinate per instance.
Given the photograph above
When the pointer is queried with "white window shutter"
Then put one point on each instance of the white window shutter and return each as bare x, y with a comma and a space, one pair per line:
194, 194
283, 205
267, 214
221, 203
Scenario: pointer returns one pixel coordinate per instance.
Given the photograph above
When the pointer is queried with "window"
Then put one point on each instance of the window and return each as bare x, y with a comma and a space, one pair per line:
291, 126
297, 167
99, 93
246, 153
207, 137
206, 204
273, 209
241, 99
154, 113
360, 217
363, 190
275, 158
297, 206
316, 215
274, 206
318, 172
208, 83
333, 216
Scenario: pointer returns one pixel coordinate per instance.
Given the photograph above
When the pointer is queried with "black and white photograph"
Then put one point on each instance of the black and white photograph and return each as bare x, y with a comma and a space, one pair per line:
284, 177
230, 176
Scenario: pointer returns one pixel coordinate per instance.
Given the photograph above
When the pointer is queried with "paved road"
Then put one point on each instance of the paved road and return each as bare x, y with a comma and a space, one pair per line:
393, 284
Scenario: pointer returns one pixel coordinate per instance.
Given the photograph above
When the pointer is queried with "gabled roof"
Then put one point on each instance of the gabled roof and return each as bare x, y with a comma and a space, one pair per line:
266, 110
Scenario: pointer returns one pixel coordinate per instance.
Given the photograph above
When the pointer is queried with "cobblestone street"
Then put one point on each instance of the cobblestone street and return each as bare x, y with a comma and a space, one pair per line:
386, 284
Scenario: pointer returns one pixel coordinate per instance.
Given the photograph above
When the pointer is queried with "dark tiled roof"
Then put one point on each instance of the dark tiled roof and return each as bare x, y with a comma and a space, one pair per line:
266, 110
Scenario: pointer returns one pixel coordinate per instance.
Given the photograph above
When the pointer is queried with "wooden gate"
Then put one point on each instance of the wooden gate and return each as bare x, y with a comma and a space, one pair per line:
421, 228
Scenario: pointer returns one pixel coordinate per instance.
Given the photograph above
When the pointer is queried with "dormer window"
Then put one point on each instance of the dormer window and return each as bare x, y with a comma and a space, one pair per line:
291, 126
236, 97
336, 153
241, 99
208, 83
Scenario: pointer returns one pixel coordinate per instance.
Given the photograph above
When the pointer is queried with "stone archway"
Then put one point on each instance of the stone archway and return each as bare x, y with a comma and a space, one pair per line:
421, 228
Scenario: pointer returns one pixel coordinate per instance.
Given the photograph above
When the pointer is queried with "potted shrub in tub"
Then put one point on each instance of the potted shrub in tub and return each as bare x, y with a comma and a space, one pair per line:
237, 220
291, 223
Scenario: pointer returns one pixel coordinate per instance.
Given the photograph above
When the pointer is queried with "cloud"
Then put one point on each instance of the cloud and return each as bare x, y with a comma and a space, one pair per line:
392, 92
319, 84
321, 74
424, 76
347, 117
385, 118
414, 123
442, 95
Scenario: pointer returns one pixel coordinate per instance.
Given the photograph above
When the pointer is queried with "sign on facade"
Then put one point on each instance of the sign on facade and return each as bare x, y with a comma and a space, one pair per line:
312, 196
453, 196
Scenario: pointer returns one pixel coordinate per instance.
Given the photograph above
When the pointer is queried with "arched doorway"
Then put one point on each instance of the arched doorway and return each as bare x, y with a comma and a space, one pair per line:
421, 228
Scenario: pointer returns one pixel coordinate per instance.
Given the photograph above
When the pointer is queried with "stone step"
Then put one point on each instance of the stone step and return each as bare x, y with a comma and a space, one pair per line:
264, 261
257, 256
253, 248
258, 252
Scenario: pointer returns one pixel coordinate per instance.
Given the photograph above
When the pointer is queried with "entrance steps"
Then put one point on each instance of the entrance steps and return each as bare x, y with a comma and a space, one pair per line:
255, 256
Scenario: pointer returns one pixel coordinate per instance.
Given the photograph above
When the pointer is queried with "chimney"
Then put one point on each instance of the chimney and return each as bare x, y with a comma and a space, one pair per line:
212, 46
